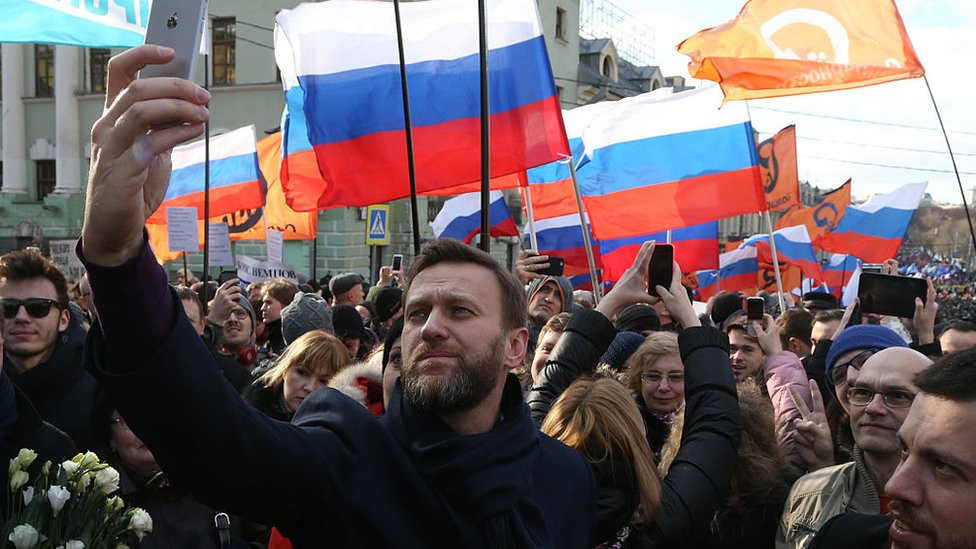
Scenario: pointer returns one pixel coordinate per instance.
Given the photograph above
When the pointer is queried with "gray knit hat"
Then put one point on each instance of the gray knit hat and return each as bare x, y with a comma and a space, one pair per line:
344, 282
305, 313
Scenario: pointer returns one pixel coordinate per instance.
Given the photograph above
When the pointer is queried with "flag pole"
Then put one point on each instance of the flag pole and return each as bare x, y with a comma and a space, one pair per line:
485, 242
597, 288
945, 134
772, 248
528, 207
206, 189
668, 236
411, 169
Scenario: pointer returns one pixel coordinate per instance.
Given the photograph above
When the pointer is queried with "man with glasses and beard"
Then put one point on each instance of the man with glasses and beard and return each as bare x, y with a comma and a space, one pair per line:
455, 462
879, 400
43, 345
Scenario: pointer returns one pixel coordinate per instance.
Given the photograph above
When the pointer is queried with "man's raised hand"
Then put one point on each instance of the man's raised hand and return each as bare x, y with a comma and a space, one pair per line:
130, 160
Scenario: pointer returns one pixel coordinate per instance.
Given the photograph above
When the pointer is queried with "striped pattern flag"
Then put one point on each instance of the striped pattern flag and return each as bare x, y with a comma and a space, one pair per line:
562, 237
738, 271
658, 163
340, 70
838, 272
873, 231
235, 179
792, 246
460, 217
695, 249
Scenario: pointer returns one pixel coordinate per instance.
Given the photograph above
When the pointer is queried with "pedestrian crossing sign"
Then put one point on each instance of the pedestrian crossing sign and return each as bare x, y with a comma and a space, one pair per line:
377, 225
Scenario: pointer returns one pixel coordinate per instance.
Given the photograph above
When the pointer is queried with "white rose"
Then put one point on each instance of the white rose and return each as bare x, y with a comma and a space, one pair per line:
107, 480
23, 536
26, 456
28, 494
74, 544
69, 468
140, 522
14, 465
114, 504
58, 496
88, 460
18, 480
84, 481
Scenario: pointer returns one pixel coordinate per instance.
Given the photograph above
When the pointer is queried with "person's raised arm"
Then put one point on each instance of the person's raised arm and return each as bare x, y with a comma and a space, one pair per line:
587, 336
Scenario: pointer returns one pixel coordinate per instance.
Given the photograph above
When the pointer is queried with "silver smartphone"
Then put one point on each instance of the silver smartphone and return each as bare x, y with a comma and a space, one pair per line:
176, 24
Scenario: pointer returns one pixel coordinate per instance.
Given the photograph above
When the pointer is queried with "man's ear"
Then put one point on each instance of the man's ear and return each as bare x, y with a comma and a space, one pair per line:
518, 345
64, 320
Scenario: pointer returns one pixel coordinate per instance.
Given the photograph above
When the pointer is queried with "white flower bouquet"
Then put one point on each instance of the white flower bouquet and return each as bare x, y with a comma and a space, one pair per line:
69, 507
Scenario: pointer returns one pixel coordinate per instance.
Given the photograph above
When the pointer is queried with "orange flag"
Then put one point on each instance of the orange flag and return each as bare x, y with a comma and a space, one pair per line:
777, 167
251, 224
790, 274
789, 47
822, 218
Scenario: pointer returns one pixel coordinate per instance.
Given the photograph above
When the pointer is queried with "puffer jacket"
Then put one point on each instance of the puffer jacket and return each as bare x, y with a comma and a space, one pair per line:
699, 476
822, 494
782, 371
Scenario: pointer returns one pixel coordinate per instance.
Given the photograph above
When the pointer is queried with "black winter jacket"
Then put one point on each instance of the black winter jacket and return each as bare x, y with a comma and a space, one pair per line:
336, 473
61, 390
699, 475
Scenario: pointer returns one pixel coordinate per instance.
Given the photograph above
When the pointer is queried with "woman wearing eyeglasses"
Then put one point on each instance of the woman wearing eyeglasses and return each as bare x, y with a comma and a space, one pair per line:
656, 376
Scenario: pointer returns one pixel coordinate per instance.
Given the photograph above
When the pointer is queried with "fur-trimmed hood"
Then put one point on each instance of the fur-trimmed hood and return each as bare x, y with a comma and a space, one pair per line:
362, 382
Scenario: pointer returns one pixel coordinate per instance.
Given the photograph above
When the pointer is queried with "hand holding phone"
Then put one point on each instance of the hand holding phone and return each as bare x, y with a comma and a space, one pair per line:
555, 267
755, 309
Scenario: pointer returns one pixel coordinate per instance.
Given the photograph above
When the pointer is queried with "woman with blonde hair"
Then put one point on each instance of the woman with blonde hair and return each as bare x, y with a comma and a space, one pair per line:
306, 366
597, 417
656, 376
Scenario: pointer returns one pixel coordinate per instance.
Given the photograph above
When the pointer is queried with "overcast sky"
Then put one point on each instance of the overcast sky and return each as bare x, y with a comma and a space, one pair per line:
942, 32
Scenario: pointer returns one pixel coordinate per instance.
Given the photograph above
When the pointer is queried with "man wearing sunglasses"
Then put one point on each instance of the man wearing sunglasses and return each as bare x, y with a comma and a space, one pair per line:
42, 345
879, 400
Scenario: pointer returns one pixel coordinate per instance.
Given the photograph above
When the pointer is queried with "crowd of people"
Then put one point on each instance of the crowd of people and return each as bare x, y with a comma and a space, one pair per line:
461, 404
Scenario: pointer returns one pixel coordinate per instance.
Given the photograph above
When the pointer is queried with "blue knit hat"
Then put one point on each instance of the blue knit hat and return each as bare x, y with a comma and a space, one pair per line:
862, 336
622, 346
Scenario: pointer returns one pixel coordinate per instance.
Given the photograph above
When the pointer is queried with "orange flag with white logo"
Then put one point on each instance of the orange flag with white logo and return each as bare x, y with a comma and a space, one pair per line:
789, 47
822, 218
777, 168
251, 224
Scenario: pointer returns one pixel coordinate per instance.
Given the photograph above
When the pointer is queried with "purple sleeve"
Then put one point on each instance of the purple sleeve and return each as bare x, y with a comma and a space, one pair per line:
134, 304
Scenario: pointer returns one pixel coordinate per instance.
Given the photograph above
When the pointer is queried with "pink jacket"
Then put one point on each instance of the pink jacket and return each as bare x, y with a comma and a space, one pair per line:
782, 370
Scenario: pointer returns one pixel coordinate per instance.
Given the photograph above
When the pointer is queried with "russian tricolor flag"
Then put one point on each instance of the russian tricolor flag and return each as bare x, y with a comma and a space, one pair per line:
235, 178
695, 249
655, 163
738, 271
838, 272
873, 231
792, 246
562, 237
551, 185
460, 217
339, 65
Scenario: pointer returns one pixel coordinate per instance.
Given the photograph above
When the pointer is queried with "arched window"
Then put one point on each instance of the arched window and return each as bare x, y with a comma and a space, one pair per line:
655, 84
607, 67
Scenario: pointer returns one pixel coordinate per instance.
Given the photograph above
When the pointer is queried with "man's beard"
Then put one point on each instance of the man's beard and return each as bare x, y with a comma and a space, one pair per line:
945, 539
462, 389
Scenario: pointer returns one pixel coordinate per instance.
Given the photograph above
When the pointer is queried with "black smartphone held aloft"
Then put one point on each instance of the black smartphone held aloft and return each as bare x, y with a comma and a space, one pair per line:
225, 276
397, 262
555, 267
890, 294
660, 270
755, 308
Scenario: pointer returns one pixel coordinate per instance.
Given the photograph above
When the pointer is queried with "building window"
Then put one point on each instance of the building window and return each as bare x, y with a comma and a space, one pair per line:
224, 50
608, 68
559, 92
43, 70
44, 176
97, 67
434, 206
560, 23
